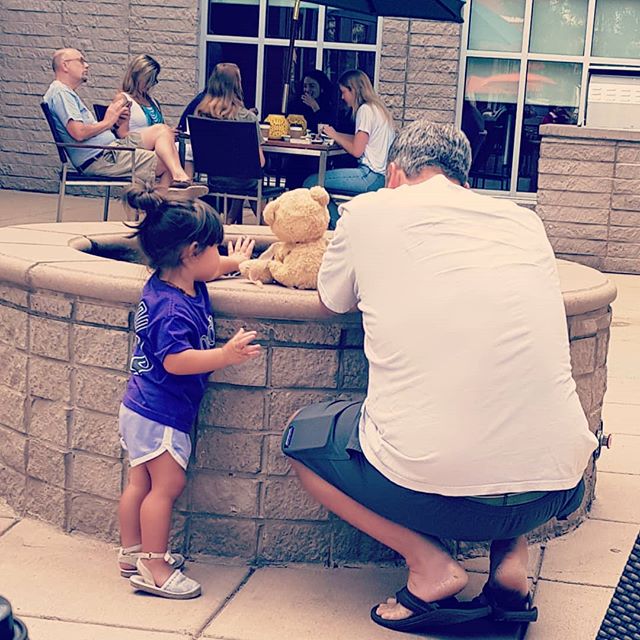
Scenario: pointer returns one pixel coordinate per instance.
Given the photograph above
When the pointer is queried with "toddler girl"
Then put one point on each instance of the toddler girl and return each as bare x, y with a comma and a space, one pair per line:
173, 356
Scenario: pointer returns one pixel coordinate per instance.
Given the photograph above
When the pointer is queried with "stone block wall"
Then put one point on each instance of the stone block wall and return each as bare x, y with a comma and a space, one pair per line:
109, 33
589, 195
418, 75
65, 368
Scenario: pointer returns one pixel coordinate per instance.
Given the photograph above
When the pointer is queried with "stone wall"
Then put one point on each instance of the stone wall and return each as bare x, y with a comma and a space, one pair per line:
66, 335
419, 69
109, 33
589, 195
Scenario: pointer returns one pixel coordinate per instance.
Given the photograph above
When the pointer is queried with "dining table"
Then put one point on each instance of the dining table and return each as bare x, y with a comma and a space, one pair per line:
322, 150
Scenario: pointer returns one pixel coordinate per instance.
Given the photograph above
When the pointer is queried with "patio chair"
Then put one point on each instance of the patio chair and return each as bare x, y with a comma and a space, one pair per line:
70, 176
100, 110
228, 149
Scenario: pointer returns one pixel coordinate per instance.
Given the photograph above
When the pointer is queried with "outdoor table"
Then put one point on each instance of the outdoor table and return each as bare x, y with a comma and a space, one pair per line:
304, 147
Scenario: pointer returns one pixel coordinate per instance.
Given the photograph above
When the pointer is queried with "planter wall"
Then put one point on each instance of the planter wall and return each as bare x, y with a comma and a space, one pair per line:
65, 340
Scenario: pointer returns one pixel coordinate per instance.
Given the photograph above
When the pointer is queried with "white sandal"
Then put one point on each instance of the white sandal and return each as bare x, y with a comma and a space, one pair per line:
130, 555
176, 587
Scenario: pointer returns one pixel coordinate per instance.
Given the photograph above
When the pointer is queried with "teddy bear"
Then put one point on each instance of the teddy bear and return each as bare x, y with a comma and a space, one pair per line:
299, 219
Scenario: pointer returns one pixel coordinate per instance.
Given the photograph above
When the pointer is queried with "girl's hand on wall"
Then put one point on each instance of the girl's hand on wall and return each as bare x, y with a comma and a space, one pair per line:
239, 349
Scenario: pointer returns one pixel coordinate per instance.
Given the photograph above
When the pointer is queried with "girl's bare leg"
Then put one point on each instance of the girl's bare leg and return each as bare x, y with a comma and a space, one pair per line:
433, 573
138, 486
168, 480
161, 139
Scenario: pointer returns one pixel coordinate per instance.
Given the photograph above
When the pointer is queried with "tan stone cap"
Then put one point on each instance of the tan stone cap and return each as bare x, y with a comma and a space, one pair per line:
52, 256
588, 133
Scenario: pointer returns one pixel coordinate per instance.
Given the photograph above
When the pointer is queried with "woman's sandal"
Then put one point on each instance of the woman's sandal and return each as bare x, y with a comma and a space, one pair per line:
430, 615
176, 587
130, 555
506, 605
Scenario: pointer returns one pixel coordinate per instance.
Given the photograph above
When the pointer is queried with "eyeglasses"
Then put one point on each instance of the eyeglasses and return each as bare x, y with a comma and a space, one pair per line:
81, 60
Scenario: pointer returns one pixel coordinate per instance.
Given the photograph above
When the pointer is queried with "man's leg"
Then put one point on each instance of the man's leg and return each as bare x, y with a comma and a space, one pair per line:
508, 565
160, 138
433, 573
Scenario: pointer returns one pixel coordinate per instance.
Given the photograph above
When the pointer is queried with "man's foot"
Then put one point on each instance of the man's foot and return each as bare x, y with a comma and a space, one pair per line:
431, 615
448, 582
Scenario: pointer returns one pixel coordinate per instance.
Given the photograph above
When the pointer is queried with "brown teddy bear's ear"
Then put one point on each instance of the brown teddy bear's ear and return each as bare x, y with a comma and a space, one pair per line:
269, 212
320, 195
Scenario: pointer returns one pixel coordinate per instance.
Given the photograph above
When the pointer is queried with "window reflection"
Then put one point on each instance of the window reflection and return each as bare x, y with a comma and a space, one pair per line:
349, 26
233, 17
496, 25
558, 27
488, 119
552, 94
616, 29
245, 56
280, 17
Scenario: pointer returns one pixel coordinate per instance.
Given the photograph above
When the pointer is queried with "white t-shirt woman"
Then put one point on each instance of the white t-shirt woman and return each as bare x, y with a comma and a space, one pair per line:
374, 134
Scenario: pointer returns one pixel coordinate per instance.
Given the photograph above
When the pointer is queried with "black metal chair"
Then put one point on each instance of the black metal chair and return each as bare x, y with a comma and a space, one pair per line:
229, 150
100, 110
70, 176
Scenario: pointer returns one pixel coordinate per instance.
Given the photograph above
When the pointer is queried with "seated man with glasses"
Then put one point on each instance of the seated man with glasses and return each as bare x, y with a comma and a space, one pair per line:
157, 157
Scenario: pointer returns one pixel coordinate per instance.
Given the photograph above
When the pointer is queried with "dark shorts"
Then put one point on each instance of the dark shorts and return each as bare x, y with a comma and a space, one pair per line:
324, 438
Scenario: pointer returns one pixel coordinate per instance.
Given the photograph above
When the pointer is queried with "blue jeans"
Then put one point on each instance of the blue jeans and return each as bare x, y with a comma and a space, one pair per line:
350, 181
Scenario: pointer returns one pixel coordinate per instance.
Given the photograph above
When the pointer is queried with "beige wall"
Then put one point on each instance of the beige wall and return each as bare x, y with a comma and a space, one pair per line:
588, 195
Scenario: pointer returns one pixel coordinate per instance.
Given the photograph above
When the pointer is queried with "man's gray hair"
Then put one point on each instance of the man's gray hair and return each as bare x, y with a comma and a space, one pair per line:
430, 144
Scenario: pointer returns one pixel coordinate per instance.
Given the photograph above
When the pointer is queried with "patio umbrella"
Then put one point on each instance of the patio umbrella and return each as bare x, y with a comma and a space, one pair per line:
443, 10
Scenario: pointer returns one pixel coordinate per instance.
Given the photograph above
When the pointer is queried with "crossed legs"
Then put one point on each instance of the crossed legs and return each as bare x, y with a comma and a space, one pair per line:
433, 573
160, 138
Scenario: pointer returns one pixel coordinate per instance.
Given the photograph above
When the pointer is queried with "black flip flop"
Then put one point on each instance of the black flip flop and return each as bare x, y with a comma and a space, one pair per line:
507, 606
431, 615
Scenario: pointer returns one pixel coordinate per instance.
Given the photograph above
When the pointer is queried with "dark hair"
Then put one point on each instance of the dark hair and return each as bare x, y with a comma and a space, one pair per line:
168, 226
321, 78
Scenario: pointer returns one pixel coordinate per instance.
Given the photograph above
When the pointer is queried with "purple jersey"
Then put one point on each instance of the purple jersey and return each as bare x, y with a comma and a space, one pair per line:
168, 321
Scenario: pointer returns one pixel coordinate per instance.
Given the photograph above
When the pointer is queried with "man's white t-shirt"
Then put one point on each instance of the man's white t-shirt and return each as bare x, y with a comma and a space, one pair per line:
470, 388
372, 120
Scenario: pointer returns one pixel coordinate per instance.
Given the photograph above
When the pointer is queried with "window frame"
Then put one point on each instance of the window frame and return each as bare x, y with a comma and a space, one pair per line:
261, 42
587, 61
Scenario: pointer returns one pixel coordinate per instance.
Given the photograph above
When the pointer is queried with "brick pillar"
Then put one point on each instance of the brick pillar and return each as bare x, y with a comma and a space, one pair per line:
419, 69
588, 195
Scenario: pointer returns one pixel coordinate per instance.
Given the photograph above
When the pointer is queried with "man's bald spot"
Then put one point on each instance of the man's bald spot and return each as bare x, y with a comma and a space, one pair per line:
60, 55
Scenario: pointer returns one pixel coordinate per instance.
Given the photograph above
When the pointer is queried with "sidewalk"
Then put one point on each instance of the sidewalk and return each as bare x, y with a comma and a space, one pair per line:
66, 587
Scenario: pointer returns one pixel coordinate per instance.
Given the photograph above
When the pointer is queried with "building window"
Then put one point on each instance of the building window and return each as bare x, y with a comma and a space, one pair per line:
525, 63
255, 35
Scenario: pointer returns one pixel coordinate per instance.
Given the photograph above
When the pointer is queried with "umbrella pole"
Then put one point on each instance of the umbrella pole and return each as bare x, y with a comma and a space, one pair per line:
289, 63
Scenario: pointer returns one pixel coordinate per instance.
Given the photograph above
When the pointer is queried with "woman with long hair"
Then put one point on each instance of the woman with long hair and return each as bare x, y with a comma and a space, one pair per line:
225, 101
139, 79
374, 133
316, 102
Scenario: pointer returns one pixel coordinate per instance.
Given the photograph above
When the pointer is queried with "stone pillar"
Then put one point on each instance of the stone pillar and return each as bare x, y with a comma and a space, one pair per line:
588, 198
419, 69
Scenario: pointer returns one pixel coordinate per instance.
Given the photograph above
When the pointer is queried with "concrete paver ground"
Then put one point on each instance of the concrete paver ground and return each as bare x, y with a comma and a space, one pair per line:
67, 586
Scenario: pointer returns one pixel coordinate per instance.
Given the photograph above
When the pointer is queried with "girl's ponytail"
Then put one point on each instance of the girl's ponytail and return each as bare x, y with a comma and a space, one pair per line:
169, 225
144, 198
